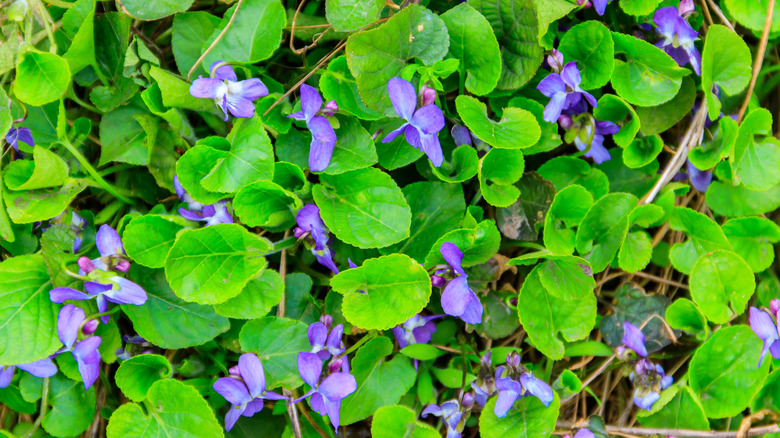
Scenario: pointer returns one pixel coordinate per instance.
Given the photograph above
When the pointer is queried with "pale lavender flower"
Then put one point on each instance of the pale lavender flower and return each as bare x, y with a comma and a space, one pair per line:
245, 389
85, 352
228, 92
326, 341
310, 222
326, 393
597, 150
422, 124
458, 299
678, 37
42, 368
564, 91
450, 414
766, 326
105, 284
323, 136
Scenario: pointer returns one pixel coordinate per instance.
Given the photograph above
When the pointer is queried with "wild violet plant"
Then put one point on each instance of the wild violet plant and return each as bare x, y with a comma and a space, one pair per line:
514, 220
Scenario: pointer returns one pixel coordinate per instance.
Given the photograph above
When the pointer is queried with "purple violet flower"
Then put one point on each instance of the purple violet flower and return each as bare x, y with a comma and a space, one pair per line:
23, 134
323, 136
326, 393
564, 91
678, 37
105, 284
416, 330
513, 387
767, 329
485, 384
228, 92
597, 150
309, 221
700, 179
458, 299
634, 339
245, 389
324, 340
42, 368
600, 6
85, 352
450, 414
461, 135
582, 433
422, 124
649, 380
211, 214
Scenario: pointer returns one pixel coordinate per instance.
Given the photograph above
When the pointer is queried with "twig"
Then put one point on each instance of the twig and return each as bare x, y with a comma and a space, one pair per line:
307, 416
44, 408
691, 138
599, 370
308, 75
649, 431
720, 15
770, 12
292, 411
706, 10
660, 280
217, 39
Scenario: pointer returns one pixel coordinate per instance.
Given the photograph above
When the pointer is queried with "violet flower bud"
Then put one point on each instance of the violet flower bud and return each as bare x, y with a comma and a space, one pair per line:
327, 320
298, 232
686, 8
335, 365
86, 264
565, 121
123, 266
428, 96
438, 281
774, 307
90, 326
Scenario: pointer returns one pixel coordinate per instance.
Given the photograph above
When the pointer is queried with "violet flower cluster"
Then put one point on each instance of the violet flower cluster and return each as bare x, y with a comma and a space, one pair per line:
103, 280
510, 382
71, 323
568, 106
422, 124
323, 136
451, 413
228, 92
315, 235
245, 389
212, 214
766, 325
648, 378
328, 389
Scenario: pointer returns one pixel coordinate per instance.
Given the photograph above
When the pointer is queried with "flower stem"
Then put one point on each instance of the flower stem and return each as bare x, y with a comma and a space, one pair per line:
371, 335
44, 408
98, 315
94, 174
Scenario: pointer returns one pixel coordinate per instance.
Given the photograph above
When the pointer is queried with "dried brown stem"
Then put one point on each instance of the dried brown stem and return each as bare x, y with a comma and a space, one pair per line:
770, 12
649, 431
217, 39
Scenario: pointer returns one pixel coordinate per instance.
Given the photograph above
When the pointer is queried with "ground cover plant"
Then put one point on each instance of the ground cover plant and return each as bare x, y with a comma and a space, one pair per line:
506, 218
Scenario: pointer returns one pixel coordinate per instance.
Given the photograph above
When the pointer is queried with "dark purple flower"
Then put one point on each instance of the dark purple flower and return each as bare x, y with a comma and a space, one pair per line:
245, 389
678, 37
767, 329
324, 340
458, 299
309, 221
323, 136
85, 352
105, 284
564, 91
326, 394
597, 150
700, 179
422, 124
229, 93
42, 368
450, 414
14, 135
